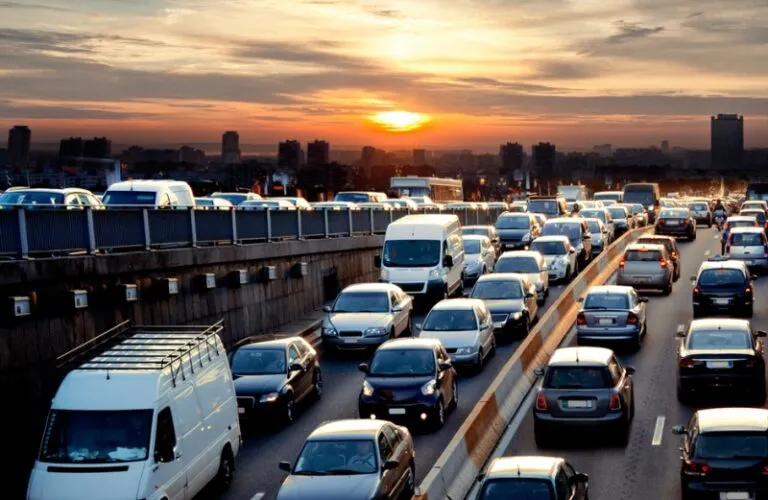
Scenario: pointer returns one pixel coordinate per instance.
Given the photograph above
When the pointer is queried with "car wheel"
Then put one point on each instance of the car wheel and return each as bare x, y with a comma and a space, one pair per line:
709, 224
409, 328
682, 396
667, 290
493, 346
525, 329
439, 415
318, 385
288, 410
637, 343
226, 471
480, 361
410, 483
455, 396
623, 433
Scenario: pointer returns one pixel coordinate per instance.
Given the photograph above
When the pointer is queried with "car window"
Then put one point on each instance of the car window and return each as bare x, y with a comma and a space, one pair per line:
562, 486
577, 377
719, 339
392, 435
385, 448
293, 354
747, 239
721, 277
615, 370
606, 301
303, 350
73, 200
166, 435
642, 256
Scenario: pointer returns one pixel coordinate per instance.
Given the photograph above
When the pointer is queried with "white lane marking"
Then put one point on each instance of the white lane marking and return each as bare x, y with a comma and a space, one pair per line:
707, 253
257, 496
658, 431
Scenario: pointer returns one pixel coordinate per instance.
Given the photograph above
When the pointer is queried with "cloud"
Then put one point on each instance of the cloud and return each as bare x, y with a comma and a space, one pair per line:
632, 31
512, 86
306, 53
32, 6
62, 42
389, 13
57, 112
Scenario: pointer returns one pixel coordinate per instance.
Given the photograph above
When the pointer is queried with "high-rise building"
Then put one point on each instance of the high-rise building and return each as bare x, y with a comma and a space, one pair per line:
727, 143
318, 153
230, 147
98, 147
419, 157
544, 158
604, 150
19, 140
512, 160
289, 155
71, 148
665, 147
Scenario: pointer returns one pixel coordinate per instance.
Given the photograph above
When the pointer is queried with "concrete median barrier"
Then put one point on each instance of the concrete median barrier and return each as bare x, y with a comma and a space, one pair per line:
456, 470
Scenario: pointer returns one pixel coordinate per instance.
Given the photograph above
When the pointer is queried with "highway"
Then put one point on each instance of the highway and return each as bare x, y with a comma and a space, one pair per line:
257, 464
649, 467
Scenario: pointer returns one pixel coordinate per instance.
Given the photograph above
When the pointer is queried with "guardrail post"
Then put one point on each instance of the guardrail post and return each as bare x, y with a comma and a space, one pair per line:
349, 214
391, 216
234, 226
193, 225
372, 228
23, 243
477, 216
91, 231
145, 215
325, 218
299, 228
269, 224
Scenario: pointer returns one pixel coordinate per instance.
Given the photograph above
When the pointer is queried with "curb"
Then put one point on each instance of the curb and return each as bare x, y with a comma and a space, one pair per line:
456, 470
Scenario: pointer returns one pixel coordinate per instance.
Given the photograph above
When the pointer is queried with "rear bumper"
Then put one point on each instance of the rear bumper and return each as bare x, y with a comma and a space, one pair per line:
710, 491
513, 245
551, 423
599, 334
660, 281
746, 383
667, 230
759, 262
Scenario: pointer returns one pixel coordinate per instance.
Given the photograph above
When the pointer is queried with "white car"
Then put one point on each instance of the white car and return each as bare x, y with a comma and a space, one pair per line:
479, 256
465, 329
530, 264
559, 255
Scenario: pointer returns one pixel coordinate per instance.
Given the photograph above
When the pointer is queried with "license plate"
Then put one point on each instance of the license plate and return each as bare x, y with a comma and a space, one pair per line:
736, 495
498, 325
721, 302
605, 321
718, 364
241, 411
673, 223
751, 263
397, 411
351, 341
579, 404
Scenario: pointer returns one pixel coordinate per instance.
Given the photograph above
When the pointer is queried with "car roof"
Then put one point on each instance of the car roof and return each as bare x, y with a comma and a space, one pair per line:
266, 341
515, 214
606, 289
478, 226
657, 237
524, 466
723, 264
555, 237
752, 210
719, 324
743, 218
645, 246
370, 287
737, 230
732, 419
475, 237
502, 277
574, 220
454, 304
528, 254
358, 428
409, 342
581, 356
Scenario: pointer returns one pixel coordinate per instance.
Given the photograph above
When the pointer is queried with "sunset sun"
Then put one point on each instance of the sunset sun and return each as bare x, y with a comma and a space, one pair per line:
400, 121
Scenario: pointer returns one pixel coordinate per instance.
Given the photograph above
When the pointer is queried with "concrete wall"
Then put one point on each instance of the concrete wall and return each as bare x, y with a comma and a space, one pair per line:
29, 346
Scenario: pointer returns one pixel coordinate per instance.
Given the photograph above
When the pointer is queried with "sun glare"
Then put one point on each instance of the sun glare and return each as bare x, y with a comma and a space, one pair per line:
400, 121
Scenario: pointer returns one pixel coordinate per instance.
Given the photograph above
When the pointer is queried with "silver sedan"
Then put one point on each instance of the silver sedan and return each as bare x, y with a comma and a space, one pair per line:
611, 314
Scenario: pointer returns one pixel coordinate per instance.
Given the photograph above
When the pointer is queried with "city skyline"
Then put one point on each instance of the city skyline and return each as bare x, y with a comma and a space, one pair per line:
468, 74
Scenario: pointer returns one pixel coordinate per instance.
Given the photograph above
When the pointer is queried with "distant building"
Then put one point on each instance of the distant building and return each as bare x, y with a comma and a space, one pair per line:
604, 150
544, 157
230, 148
191, 155
71, 148
419, 157
98, 147
640, 157
512, 159
318, 153
290, 155
727, 142
665, 147
19, 141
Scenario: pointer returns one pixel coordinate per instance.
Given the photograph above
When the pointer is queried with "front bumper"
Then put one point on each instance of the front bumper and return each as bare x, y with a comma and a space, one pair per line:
508, 326
353, 343
420, 288
251, 409
744, 382
514, 245
407, 411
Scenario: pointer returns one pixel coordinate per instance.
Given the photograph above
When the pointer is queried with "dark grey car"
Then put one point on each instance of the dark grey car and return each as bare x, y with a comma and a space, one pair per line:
611, 313
352, 460
583, 388
517, 230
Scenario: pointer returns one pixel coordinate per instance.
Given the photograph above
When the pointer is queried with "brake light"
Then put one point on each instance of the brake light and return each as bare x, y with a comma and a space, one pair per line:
622, 263
632, 319
748, 290
581, 320
663, 263
695, 468
687, 363
765, 469
615, 402
541, 402
660, 222
696, 291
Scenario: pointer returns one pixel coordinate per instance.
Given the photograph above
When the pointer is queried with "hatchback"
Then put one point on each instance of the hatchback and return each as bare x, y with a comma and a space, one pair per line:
611, 313
672, 250
748, 244
352, 459
623, 221
701, 212
646, 267
516, 230
601, 238
759, 215
723, 286
676, 222
529, 263
559, 256
479, 257
604, 215
578, 233
489, 231
583, 388
511, 299
755, 204
539, 478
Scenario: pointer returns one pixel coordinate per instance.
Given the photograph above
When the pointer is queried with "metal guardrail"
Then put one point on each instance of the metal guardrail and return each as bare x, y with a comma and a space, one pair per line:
44, 232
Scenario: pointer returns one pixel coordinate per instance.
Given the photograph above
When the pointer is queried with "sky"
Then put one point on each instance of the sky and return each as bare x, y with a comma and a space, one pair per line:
480, 72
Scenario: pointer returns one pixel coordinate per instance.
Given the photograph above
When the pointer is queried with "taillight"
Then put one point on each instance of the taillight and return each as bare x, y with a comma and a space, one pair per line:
541, 402
615, 402
765, 469
581, 320
748, 290
696, 291
663, 263
687, 363
660, 222
632, 319
622, 263
694, 468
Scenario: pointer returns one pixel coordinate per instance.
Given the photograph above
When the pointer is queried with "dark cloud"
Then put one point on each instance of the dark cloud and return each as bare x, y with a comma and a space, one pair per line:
32, 6
565, 70
13, 40
391, 13
513, 86
300, 54
631, 31
10, 110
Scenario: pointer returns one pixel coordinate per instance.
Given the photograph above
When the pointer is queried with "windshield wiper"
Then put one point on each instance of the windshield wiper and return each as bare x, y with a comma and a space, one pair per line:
312, 473
571, 386
596, 308
344, 472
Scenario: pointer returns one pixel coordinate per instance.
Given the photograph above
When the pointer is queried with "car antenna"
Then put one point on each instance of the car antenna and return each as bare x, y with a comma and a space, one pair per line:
518, 470
577, 356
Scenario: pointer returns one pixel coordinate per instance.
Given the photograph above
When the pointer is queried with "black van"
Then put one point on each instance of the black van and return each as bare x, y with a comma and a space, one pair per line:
645, 193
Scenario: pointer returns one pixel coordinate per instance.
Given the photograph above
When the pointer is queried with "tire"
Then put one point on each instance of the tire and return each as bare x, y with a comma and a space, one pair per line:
226, 471
667, 290
637, 343
623, 434
760, 395
318, 385
289, 411
478, 366
749, 311
410, 485
682, 396
408, 332
439, 416
493, 346
455, 399
525, 329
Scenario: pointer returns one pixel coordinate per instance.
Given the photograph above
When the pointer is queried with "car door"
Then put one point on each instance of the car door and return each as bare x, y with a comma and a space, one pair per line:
389, 479
531, 302
400, 319
489, 255
543, 272
168, 474
563, 489
485, 326
636, 305
621, 379
586, 237
401, 454
299, 378
309, 360
445, 377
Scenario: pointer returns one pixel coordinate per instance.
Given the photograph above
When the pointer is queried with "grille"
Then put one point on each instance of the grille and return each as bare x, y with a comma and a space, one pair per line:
245, 402
411, 287
350, 334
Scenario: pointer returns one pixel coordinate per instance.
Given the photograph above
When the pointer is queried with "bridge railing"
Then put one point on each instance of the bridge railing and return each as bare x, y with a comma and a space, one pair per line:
45, 232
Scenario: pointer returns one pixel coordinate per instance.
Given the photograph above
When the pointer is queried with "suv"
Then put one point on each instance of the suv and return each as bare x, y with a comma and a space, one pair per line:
516, 230
550, 206
545, 478
583, 387
670, 244
701, 212
723, 286
647, 266
724, 451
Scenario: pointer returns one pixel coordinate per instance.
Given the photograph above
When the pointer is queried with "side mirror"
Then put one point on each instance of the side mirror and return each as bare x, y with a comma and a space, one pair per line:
643, 299
363, 367
539, 372
630, 369
296, 367
327, 309
580, 300
397, 308
285, 466
390, 465
483, 326
377, 261
165, 454
580, 477
445, 366
679, 430
572, 250
448, 261
762, 333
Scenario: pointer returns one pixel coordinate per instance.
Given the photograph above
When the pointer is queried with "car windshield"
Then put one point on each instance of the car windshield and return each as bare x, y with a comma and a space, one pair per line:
75, 436
325, 457
593, 214
594, 226
203, 203
719, 339
508, 489
643, 196
607, 196
721, 277
129, 198
517, 265
512, 223
250, 361
549, 247
674, 214
516, 209
606, 301
449, 320
362, 302
481, 231
403, 363
543, 207
747, 239
577, 377
699, 207
642, 256
760, 216
636, 208
411, 253
233, 198
570, 229
618, 212
353, 197
32, 198
497, 290
732, 445
472, 246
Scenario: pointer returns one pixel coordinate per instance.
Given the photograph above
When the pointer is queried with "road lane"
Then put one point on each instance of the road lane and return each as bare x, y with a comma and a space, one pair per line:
257, 470
649, 466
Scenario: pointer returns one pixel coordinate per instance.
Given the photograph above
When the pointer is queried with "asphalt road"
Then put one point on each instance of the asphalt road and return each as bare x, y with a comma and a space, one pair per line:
257, 464
647, 468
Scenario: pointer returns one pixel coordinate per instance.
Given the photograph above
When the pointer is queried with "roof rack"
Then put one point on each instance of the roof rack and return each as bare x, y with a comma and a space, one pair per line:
127, 347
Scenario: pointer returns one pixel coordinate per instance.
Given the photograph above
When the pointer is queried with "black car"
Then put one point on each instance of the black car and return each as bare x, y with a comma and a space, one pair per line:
676, 222
724, 454
409, 380
517, 230
720, 355
723, 286
672, 249
271, 377
623, 220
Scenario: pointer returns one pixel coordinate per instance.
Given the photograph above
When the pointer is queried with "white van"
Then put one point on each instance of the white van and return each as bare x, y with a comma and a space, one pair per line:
424, 255
154, 193
145, 413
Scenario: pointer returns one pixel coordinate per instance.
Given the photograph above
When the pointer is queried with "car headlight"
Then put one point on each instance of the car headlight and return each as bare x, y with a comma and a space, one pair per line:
516, 316
269, 398
330, 331
429, 388
434, 274
367, 388
526, 237
464, 350
385, 274
376, 331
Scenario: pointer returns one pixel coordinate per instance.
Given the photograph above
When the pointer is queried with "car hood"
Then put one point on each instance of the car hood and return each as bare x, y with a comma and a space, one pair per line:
513, 233
472, 258
355, 487
504, 306
398, 383
258, 384
453, 339
360, 321
550, 259
77, 485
